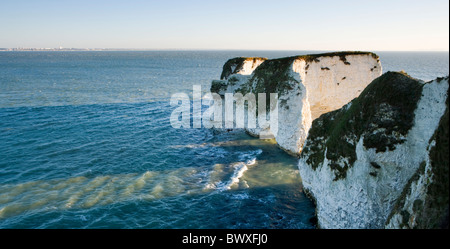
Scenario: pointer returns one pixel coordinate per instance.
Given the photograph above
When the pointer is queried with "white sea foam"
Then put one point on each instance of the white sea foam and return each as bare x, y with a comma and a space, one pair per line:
246, 159
240, 196
251, 162
240, 168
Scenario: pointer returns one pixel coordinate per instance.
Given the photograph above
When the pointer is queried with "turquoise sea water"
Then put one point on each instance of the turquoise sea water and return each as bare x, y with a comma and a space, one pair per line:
86, 142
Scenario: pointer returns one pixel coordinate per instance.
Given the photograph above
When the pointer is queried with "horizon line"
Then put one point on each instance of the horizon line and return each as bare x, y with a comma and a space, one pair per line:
42, 49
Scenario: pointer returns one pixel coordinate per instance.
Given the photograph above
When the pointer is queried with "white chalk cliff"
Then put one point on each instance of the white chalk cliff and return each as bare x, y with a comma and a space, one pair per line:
378, 162
373, 149
307, 87
424, 201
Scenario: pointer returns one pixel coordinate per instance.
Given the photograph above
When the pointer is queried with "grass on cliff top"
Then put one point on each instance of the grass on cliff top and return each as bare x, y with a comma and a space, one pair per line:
217, 86
396, 90
238, 63
400, 92
342, 55
273, 76
346, 53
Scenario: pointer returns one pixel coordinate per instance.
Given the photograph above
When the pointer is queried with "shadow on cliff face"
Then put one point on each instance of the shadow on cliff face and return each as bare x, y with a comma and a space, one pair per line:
444, 224
435, 213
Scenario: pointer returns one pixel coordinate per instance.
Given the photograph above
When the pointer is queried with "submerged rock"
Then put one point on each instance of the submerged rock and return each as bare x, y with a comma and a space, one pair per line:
382, 159
307, 87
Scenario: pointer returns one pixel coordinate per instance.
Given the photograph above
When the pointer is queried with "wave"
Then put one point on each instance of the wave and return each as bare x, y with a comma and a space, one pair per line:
83, 192
239, 168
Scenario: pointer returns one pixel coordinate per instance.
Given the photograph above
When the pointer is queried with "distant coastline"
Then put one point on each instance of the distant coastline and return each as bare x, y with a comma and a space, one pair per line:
66, 49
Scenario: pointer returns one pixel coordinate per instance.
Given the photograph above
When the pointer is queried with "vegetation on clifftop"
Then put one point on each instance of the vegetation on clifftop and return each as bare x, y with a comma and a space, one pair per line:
235, 64
218, 86
342, 56
273, 76
383, 114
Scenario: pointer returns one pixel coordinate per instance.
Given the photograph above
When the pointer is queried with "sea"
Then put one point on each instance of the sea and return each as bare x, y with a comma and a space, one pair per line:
86, 142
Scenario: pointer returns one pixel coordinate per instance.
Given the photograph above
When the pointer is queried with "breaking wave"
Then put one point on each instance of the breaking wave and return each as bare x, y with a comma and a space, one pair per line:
239, 168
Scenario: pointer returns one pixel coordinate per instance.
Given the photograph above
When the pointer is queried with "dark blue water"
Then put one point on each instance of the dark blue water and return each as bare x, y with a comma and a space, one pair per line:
86, 142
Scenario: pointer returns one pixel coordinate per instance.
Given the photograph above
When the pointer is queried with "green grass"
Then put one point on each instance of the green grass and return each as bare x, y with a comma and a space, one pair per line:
237, 62
273, 76
218, 85
401, 93
342, 56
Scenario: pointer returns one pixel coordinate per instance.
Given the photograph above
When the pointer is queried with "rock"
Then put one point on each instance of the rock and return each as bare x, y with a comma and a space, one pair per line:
381, 159
235, 72
307, 87
424, 201
241, 65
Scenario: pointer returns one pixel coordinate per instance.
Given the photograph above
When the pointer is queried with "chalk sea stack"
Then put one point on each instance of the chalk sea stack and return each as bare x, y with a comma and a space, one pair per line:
307, 86
372, 147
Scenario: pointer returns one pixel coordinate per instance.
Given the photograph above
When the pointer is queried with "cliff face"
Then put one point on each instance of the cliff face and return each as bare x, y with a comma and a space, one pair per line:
424, 201
378, 161
307, 87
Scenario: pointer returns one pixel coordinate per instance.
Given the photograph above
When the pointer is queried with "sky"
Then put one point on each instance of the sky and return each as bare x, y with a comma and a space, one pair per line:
375, 25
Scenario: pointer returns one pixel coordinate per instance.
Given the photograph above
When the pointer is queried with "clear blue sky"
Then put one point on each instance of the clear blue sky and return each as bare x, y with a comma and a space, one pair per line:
244, 24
